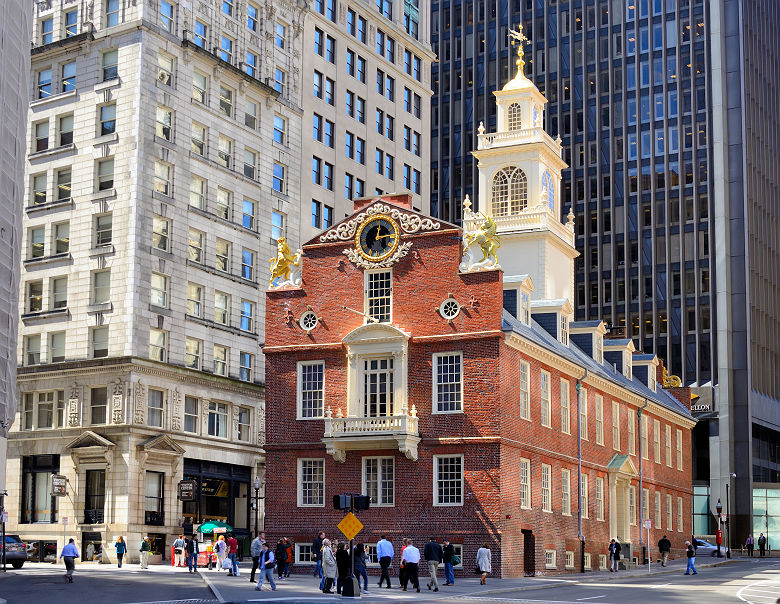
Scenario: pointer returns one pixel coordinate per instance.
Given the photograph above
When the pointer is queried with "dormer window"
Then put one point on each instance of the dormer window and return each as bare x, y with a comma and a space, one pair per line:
525, 308
510, 191
598, 348
564, 330
514, 121
627, 364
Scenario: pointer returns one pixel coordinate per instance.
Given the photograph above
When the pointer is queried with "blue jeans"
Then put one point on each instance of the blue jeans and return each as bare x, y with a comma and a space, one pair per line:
318, 568
235, 564
449, 573
691, 568
266, 574
360, 571
192, 562
322, 582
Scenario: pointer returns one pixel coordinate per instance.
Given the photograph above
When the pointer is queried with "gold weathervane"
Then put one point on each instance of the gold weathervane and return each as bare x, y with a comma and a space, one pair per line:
518, 39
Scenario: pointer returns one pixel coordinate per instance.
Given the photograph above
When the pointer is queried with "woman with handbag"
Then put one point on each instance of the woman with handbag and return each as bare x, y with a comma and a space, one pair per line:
483, 562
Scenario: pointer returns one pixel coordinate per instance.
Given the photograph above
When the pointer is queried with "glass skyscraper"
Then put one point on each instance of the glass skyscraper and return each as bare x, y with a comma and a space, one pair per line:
667, 111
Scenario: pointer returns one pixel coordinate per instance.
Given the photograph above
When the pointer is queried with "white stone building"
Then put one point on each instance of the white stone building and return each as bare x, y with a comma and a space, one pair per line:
14, 74
163, 165
366, 125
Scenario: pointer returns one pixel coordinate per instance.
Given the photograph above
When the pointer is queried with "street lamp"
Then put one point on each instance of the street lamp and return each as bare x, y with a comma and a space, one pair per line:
256, 502
719, 538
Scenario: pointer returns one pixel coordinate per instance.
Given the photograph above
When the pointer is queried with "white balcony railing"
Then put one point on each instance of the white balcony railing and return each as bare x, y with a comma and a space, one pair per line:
539, 217
342, 433
512, 137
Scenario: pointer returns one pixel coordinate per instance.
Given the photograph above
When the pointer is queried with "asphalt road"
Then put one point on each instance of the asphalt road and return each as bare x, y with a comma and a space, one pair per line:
46, 585
748, 581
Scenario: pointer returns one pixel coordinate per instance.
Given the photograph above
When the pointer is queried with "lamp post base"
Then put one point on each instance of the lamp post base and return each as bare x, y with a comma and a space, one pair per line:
350, 588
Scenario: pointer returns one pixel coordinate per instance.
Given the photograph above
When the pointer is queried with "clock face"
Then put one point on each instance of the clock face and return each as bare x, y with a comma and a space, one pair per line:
377, 238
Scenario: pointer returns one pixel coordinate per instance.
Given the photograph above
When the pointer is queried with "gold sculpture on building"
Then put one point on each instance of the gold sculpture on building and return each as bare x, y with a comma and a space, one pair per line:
286, 267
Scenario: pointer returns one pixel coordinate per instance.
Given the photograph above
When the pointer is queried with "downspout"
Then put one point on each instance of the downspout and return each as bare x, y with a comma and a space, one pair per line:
580, 536
641, 490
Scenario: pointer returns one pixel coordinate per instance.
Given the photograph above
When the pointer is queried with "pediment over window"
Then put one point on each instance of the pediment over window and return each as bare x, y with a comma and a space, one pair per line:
161, 444
88, 439
375, 333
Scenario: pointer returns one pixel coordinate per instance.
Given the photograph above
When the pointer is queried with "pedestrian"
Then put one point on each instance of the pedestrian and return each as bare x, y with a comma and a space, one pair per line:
316, 548
749, 544
484, 567
69, 555
193, 550
361, 559
761, 545
342, 566
691, 554
664, 547
614, 556
232, 549
255, 549
266, 568
281, 558
146, 548
290, 556
329, 566
401, 568
121, 550
433, 555
411, 560
385, 553
178, 551
221, 548
448, 552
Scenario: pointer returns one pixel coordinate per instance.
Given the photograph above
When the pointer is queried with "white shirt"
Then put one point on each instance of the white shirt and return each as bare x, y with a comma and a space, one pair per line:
411, 554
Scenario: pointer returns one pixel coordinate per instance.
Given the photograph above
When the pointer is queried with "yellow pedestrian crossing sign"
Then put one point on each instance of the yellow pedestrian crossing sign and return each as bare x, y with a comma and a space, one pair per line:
350, 526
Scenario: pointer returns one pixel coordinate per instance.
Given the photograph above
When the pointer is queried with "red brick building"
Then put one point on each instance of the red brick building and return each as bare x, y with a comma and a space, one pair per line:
407, 365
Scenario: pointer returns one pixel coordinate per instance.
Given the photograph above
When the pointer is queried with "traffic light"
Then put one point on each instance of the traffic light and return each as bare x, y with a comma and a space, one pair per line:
342, 502
362, 502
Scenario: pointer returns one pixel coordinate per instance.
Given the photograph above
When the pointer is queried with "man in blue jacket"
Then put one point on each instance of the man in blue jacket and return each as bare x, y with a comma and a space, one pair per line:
69, 554
385, 553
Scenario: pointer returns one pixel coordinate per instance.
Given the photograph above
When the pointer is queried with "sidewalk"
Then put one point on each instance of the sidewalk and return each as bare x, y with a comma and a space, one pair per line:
304, 588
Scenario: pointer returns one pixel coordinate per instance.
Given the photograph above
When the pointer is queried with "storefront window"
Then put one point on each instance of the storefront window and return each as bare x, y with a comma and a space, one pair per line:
154, 499
91, 547
38, 505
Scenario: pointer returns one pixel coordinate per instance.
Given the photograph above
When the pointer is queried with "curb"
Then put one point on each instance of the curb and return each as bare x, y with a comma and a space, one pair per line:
592, 579
213, 588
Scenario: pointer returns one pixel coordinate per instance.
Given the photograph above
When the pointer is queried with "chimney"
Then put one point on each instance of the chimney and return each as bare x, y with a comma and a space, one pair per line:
403, 200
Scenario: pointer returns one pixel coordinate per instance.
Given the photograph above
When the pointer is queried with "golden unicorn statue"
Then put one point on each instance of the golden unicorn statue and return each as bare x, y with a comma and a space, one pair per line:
286, 265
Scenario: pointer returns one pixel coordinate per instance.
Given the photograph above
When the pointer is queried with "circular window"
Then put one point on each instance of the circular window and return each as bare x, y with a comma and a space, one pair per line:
309, 320
449, 309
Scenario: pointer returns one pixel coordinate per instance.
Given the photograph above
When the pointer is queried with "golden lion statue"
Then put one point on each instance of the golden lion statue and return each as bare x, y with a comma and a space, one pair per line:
485, 238
285, 266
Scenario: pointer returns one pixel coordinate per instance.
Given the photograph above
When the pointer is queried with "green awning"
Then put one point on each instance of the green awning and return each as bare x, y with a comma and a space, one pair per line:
207, 528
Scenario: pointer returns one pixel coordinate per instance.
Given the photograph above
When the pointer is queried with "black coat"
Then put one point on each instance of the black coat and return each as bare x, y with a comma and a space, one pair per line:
448, 552
664, 545
280, 554
316, 547
433, 552
342, 562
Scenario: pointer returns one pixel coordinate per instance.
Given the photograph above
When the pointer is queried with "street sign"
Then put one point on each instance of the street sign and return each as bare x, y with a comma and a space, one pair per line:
648, 524
187, 490
350, 526
4, 516
723, 517
59, 485
64, 521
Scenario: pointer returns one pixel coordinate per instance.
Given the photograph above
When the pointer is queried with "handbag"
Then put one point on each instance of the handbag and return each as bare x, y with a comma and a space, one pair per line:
177, 550
227, 564
455, 561
477, 570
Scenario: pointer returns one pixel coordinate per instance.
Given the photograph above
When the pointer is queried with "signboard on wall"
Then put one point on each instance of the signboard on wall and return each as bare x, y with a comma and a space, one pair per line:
187, 489
59, 485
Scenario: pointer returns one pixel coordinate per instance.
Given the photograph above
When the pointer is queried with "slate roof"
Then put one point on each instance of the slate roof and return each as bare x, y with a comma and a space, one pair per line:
591, 323
536, 334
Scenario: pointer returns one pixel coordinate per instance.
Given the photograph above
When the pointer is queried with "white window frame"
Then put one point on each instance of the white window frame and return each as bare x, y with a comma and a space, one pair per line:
366, 292
545, 404
585, 495
679, 514
669, 513
600, 498
616, 425
299, 389
631, 434
679, 449
435, 383
364, 481
668, 445
565, 396
301, 460
569, 560
565, 492
164, 347
657, 441
602, 561
525, 483
436, 502
550, 559
546, 488
599, 419
587, 561
644, 445
658, 512
584, 413
301, 550
632, 505
161, 409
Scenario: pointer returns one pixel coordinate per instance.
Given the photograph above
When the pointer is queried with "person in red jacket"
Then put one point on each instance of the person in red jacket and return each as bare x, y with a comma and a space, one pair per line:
232, 545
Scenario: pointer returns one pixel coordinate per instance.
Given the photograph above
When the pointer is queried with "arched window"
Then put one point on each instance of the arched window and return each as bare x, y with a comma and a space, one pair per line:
510, 191
548, 189
513, 117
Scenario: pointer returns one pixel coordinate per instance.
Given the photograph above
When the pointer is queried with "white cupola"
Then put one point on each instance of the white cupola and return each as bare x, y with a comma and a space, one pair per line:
519, 188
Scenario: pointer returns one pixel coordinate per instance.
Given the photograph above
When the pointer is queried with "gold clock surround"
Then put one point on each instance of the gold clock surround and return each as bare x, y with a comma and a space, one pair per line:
371, 223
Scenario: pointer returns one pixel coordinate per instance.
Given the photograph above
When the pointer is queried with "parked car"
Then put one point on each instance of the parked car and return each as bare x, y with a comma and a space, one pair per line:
705, 548
15, 551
